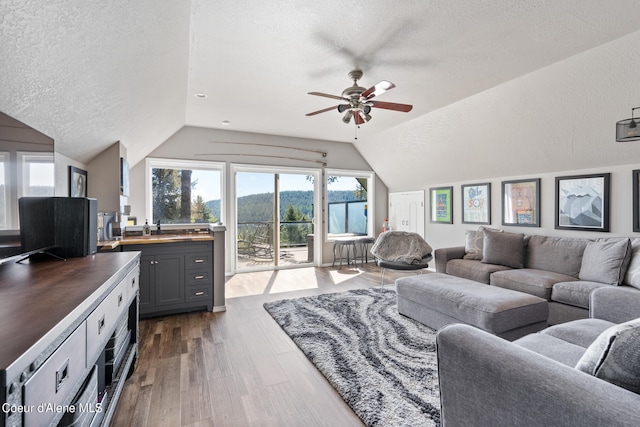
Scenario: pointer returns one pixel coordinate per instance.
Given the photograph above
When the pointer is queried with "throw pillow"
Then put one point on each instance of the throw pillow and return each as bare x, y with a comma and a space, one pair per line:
613, 356
503, 248
473, 242
632, 276
605, 261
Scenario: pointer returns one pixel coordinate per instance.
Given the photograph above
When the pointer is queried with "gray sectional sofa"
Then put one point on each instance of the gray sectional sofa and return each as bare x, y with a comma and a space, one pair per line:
562, 270
580, 373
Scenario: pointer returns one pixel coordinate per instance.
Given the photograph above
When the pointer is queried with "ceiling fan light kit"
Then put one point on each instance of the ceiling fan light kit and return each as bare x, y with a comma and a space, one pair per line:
359, 100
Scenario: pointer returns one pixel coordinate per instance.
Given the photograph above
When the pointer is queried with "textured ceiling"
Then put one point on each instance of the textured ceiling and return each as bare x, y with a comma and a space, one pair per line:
89, 73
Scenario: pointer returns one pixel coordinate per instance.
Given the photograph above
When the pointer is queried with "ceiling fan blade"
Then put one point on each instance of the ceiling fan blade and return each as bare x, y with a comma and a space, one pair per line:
335, 107
378, 89
405, 108
326, 95
358, 118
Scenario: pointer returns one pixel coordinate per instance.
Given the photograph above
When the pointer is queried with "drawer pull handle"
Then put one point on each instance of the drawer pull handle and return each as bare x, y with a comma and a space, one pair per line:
101, 323
120, 300
197, 261
133, 282
199, 293
62, 375
199, 277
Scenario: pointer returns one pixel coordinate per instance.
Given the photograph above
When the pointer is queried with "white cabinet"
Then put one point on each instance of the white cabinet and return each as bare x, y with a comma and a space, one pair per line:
406, 211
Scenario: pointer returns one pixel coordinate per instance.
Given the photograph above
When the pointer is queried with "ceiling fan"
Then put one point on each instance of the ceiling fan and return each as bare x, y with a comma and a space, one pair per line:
358, 100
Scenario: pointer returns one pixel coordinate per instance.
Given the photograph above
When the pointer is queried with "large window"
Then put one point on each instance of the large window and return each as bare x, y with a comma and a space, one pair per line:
36, 177
349, 201
184, 191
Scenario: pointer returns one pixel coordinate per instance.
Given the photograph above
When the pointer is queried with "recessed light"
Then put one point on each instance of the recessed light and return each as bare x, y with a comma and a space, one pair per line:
226, 123
201, 95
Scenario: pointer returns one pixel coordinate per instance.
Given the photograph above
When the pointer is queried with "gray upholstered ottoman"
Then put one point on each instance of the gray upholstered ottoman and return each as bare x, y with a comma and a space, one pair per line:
440, 299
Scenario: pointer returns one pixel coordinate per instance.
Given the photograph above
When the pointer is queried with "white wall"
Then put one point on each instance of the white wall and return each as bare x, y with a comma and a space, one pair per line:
195, 143
561, 117
621, 209
557, 121
62, 164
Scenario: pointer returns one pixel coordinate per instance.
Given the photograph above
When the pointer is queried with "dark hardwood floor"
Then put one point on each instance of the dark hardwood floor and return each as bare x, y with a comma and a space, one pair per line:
238, 368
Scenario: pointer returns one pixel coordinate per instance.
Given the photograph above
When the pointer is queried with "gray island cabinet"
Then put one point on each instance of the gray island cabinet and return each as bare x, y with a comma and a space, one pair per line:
175, 277
182, 268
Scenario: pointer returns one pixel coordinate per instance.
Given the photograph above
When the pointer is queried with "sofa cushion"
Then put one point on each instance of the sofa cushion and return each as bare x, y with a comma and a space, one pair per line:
534, 282
606, 261
575, 292
581, 332
503, 248
552, 347
472, 269
613, 356
558, 254
474, 241
632, 276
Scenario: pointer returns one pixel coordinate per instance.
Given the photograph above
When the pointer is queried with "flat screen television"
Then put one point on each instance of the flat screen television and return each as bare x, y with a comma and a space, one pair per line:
26, 169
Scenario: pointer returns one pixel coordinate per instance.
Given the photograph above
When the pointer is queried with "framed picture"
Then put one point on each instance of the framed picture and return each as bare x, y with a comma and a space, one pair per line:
476, 203
582, 202
442, 205
521, 202
77, 182
636, 201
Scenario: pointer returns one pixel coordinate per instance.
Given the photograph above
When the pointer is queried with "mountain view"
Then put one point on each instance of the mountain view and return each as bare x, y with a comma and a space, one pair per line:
259, 207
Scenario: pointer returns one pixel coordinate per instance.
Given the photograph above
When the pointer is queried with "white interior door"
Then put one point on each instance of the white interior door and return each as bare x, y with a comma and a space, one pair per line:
406, 211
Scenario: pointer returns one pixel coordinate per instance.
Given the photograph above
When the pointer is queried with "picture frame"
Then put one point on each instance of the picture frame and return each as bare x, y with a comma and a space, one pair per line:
636, 200
582, 202
521, 202
77, 182
441, 203
476, 203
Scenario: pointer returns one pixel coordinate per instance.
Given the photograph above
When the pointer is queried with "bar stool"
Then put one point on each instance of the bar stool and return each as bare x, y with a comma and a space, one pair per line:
340, 244
363, 243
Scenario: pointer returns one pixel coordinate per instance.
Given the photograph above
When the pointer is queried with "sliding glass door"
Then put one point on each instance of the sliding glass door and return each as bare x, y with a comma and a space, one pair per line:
274, 217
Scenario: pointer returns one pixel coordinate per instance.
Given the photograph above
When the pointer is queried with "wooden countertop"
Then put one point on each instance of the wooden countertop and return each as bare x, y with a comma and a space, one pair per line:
156, 238
40, 299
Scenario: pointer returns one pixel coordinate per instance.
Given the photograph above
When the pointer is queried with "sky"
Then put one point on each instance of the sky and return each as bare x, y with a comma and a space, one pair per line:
258, 183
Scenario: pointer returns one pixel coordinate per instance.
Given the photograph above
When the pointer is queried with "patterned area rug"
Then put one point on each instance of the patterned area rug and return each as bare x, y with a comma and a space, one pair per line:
382, 363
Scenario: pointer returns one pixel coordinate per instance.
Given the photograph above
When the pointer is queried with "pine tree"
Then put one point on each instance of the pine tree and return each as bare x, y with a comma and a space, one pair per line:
200, 212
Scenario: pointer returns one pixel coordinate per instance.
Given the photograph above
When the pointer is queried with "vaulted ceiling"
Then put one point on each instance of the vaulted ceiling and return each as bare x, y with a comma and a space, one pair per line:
92, 72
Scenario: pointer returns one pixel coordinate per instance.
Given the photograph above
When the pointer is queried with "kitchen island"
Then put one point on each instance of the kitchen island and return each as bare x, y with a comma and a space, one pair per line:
69, 337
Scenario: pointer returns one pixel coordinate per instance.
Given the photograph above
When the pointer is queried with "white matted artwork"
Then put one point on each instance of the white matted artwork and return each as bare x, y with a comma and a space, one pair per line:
582, 202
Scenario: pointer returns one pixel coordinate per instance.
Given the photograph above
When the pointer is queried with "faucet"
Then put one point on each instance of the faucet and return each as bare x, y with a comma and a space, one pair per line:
158, 227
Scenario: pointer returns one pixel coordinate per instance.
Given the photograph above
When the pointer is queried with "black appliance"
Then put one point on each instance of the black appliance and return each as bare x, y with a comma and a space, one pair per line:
63, 226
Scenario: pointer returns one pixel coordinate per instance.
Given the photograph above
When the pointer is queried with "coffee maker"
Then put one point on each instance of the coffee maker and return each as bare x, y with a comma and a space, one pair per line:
108, 225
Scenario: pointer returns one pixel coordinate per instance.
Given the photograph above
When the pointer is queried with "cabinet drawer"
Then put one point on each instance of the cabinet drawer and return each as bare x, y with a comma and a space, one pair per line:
199, 293
132, 283
56, 378
102, 321
198, 260
197, 277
